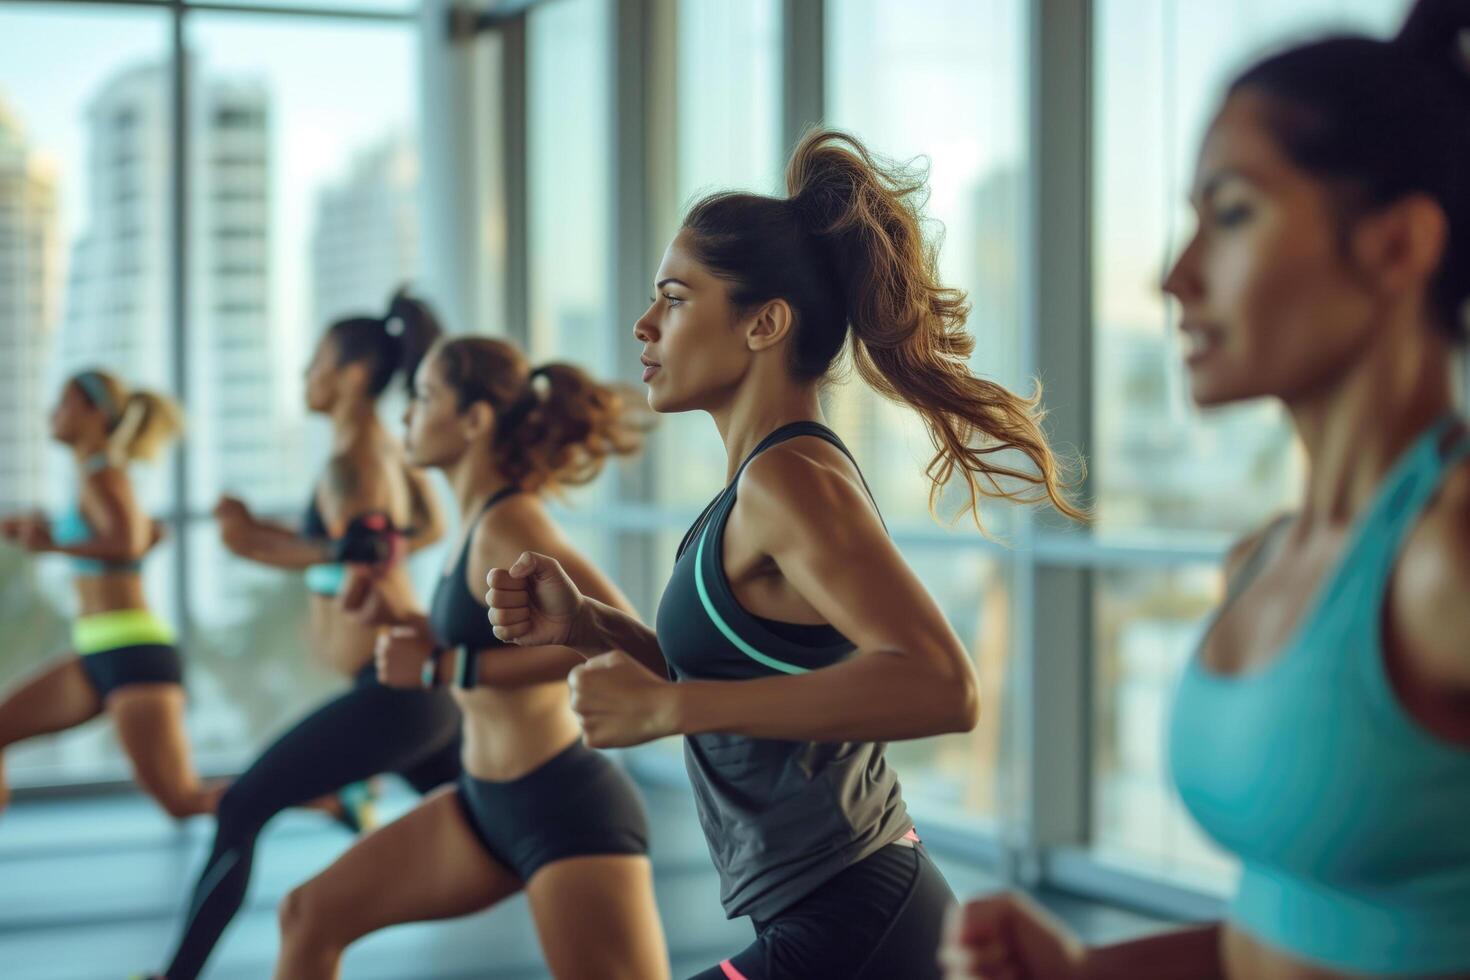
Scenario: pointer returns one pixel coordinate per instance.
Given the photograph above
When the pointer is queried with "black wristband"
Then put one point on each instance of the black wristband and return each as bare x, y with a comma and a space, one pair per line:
469, 669
369, 540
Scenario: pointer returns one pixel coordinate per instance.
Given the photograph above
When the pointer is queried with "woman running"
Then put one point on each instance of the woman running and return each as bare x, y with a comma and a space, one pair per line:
797, 637
535, 809
1330, 271
124, 661
366, 500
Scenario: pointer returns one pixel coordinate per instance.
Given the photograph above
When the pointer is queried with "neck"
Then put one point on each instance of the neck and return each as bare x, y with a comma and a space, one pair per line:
474, 478
1355, 428
83, 452
351, 422
758, 409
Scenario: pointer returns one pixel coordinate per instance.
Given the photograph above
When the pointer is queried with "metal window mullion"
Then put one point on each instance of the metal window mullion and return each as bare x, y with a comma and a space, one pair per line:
1054, 604
179, 289
513, 188
803, 68
629, 269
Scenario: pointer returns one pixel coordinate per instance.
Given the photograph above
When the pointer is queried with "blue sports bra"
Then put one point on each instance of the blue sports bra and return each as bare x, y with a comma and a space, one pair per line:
71, 528
1351, 821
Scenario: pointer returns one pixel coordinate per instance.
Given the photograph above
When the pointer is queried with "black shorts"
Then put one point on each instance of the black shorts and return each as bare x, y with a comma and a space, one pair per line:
880, 919
575, 805
147, 663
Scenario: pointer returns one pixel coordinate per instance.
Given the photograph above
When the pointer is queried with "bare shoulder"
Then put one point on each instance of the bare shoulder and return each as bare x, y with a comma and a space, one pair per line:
1431, 582
516, 524
803, 483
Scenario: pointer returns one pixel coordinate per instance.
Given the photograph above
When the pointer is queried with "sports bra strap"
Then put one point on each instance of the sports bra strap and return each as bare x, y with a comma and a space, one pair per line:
497, 497
1270, 540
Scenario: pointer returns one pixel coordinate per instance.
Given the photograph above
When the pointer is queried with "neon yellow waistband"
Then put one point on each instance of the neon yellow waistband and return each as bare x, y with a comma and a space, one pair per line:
124, 628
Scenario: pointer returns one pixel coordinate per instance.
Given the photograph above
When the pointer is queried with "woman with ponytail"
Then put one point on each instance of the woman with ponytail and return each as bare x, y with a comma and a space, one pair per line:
124, 661
1321, 731
369, 509
535, 809
793, 639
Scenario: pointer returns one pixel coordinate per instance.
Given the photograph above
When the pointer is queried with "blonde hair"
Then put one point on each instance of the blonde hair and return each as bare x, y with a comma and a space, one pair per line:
141, 423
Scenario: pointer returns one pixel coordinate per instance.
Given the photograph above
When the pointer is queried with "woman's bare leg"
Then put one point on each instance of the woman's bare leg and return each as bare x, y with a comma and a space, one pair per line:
149, 719
56, 697
428, 864
597, 919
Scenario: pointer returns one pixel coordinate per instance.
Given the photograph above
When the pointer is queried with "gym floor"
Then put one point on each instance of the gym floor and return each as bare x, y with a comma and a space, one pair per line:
91, 889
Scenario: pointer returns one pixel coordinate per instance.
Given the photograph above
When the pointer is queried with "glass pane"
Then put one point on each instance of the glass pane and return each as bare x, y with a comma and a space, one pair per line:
569, 177
729, 136
1158, 462
303, 162
1147, 625
569, 173
879, 55
85, 192
304, 181
963, 776
729, 97
408, 8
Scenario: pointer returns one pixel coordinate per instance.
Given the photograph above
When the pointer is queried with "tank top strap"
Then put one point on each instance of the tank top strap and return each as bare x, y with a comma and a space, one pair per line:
1405, 491
794, 430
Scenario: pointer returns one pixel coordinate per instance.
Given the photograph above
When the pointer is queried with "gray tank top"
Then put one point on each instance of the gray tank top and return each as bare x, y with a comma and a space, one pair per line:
781, 817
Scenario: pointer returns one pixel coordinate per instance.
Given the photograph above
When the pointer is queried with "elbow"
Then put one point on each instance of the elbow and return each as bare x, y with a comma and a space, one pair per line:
962, 701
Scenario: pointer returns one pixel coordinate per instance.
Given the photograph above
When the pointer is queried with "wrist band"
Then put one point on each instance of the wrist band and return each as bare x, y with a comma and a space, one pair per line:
430, 674
469, 668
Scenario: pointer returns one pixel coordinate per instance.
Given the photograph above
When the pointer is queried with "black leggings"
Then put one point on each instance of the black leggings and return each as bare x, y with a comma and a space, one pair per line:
369, 730
877, 920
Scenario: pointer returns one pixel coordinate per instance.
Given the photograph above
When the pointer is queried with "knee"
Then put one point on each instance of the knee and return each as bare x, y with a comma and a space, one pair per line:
237, 812
306, 917
299, 915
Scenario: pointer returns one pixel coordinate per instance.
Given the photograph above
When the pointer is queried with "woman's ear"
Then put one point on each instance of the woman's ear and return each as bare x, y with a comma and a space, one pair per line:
477, 421
770, 325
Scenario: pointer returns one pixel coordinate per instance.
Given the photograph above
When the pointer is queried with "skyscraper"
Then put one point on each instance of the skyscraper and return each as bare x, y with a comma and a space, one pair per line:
118, 305
365, 243
30, 287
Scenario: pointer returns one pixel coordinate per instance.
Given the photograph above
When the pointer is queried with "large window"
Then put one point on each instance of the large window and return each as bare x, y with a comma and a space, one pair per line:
300, 159
84, 274
728, 137
883, 62
569, 174
1160, 465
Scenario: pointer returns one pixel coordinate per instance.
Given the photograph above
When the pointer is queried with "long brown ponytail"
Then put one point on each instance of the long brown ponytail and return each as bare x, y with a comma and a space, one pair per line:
556, 426
846, 249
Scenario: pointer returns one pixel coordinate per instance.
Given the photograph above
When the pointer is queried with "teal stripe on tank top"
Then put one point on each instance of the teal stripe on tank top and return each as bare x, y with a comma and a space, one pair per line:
724, 627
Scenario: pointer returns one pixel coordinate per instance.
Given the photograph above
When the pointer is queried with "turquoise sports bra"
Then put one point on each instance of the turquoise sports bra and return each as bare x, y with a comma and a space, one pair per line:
1351, 821
71, 528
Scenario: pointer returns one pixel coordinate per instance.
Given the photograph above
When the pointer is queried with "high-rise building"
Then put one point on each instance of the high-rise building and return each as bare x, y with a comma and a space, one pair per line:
118, 306
30, 287
365, 243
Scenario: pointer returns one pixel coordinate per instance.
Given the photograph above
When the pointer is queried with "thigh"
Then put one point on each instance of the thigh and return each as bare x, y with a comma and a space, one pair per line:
428, 864
149, 719
597, 918
56, 697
